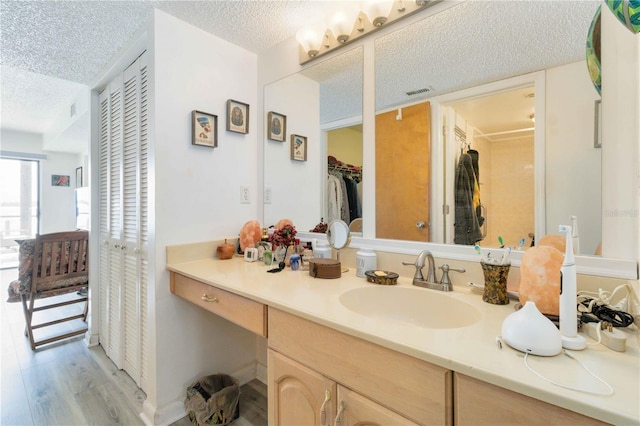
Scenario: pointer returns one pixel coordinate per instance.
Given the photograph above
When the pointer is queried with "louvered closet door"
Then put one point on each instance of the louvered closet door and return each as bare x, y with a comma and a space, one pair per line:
123, 216
103, 225
144, 225
130, 223
114, 237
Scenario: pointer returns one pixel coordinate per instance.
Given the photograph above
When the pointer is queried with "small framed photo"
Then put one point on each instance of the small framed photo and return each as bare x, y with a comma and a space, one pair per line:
237, 117
204, 129
60, 180
277, 127
78, 177
298, 148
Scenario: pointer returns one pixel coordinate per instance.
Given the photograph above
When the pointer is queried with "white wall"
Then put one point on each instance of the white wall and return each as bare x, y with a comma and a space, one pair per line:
197, 197
573, 165
296, 188
57, 208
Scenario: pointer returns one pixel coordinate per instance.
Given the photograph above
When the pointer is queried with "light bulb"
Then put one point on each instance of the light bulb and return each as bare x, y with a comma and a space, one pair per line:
310, 39
377, 11
342, 23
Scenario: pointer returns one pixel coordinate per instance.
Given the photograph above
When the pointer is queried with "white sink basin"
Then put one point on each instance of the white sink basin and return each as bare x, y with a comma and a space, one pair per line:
421, 307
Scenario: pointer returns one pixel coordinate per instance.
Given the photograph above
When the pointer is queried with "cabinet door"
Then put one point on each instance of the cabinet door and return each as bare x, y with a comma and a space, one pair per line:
355, 409
298, 396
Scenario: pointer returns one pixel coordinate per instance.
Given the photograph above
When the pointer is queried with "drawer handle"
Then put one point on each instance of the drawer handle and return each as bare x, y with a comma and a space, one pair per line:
206, 298
323, 408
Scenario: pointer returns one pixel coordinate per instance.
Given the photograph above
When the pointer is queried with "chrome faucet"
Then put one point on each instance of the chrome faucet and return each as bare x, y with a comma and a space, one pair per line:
430, 282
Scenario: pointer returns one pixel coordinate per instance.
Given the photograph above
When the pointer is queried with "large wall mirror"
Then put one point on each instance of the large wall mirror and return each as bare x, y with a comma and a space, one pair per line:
324, 103
468, 46
507, 79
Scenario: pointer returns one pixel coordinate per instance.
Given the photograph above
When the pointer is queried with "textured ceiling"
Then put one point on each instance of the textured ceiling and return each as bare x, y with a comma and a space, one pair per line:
49, 50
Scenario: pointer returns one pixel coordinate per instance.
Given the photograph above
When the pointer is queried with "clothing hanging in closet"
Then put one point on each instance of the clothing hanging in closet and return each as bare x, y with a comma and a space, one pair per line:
343, 199
468, 218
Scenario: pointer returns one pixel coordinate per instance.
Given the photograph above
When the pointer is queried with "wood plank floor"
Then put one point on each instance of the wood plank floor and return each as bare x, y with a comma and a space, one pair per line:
66, 383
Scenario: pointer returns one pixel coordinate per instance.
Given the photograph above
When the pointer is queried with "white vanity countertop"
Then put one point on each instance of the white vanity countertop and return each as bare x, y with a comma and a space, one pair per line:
470, 350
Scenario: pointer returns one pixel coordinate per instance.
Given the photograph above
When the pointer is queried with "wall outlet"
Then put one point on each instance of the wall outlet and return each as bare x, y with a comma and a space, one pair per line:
244, 195
267, 195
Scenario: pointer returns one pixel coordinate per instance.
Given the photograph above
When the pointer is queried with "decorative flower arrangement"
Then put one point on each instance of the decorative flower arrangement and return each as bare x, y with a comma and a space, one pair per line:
320, 227
284, 236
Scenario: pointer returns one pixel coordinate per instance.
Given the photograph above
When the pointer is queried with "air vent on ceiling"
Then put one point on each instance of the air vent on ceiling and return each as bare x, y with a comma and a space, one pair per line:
420, 91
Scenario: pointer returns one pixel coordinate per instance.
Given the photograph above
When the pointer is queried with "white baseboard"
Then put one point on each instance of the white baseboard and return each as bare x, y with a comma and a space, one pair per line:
170, 413
261, 373
91, 339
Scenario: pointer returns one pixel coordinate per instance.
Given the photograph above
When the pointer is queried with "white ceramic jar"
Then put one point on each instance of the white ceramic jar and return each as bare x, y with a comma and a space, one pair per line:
366, 260
322, 250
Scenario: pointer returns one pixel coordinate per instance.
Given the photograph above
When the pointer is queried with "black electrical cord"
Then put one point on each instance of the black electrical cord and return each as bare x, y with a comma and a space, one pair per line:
604, 313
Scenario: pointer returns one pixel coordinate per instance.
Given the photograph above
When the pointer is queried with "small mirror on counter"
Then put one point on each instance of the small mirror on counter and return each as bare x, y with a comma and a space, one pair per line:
339, 237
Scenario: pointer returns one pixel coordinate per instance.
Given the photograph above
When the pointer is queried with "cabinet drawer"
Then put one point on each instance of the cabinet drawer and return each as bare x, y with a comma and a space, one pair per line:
414, 388
480, 403
245, 312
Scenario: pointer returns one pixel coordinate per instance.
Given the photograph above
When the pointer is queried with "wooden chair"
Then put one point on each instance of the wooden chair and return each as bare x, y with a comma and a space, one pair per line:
60, 266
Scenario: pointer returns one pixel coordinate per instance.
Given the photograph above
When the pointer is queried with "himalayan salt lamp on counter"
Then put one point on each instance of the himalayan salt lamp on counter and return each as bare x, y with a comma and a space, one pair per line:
540, 278
250, 234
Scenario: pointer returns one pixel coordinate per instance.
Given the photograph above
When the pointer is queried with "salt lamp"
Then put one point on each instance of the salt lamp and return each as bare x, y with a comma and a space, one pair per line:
552, 240
250, 234
282, 223
540, 278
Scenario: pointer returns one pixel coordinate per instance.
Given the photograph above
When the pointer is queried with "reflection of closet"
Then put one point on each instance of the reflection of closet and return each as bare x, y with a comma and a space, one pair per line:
344, 180
123, 269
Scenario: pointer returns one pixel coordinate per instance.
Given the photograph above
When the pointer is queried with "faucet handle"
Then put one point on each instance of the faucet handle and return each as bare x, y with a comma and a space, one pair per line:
445, 273
418, 274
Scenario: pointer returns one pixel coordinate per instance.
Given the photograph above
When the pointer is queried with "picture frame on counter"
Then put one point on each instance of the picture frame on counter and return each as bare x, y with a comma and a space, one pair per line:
204, 129
276, 126
237, 116
298, 148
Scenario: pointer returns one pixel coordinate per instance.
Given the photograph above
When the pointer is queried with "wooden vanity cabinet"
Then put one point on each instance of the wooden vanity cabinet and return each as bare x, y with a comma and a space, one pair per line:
371, 378
480, 403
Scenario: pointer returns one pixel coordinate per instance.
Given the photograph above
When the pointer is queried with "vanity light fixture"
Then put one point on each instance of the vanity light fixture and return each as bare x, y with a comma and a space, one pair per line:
350, 24
377, 11
342, 23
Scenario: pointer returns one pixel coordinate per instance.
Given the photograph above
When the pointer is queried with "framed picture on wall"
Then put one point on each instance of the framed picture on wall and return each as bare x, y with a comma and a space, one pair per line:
60, 180
237, 117
204, 129
276, 126
298, 148
78, 177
